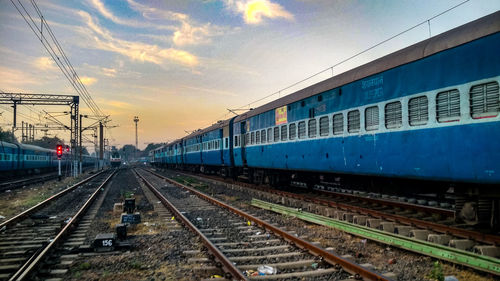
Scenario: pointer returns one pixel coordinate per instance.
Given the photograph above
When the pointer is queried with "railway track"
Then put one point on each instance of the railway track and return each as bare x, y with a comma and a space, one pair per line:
28, 238
19, 183
11, 184
443, 239
240, 243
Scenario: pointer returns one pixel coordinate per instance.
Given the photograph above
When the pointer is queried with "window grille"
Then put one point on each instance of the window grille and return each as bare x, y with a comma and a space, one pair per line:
263, 136
312, 128
324, 122
393, 115
292, 131
338, 124
252, 138
269, 135
448, 106
284, 132
302, 129
247, 139
276, 134
353, 120
418, 112
257, 137
484, 100
371, 118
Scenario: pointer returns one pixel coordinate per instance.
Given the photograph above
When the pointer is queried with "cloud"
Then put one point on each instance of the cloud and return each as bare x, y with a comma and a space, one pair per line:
87, 81
139, 51
211, 91
193, 35
119, 104
254, 11
110, 72
13, 80
45, 63
186, 31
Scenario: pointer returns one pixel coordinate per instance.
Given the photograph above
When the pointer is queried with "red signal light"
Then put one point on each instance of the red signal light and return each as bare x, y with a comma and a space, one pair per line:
59, 151
67, 148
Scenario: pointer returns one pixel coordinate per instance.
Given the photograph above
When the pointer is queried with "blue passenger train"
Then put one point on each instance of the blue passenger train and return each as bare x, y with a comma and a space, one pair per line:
429, 112
18, 159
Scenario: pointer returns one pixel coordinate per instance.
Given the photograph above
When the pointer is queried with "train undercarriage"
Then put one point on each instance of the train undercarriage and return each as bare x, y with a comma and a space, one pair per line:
474, 204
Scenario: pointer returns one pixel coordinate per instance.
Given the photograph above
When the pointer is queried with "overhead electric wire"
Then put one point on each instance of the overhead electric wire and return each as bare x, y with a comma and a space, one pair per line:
343, 61
356, 55
65, 65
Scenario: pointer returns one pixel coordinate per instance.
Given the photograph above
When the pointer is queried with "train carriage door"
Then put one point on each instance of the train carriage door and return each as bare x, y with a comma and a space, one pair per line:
231, 142
224, 134
244, 141
199, 140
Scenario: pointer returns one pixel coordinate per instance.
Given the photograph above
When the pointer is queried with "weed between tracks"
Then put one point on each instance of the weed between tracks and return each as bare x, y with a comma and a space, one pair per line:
18, 200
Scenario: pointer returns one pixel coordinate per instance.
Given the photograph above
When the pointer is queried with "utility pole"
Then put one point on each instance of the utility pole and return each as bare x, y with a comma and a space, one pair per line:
101, 145
136, 120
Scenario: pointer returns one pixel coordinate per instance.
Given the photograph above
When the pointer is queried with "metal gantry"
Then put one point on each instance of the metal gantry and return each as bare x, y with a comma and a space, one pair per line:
15, 99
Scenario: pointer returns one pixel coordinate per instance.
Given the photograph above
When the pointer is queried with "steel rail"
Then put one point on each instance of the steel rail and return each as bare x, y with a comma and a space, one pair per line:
20, 183
42, 204
458, 232
469, 259
24, 272
433, 210
463, 233
227, 265
331, 258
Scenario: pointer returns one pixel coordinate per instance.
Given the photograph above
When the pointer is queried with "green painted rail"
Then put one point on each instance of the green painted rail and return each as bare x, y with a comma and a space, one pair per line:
479, 262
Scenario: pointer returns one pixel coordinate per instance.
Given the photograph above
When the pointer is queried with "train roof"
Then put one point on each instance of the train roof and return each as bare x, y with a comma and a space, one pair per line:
482, 27
35, 148
218, 125
7, 144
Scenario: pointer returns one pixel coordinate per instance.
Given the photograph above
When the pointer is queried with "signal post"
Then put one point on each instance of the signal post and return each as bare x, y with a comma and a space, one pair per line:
59, 152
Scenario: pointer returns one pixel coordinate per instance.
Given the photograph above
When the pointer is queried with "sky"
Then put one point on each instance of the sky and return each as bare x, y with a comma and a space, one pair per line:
179, 65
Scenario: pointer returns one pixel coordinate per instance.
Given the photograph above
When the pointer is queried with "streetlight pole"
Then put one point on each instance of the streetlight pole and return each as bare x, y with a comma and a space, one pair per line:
136, 120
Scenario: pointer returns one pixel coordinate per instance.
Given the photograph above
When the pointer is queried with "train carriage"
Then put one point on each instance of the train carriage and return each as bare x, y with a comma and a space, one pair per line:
423, 119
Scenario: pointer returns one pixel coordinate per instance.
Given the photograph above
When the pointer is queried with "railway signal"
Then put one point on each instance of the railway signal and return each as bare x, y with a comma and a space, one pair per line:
59, 151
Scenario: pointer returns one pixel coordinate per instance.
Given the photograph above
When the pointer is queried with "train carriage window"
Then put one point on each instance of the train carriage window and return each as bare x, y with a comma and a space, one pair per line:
324, 122
284, 132
269, 135
353, 121
226, 143
252, 138
247, 139
313, 131
292, 131
235, 141
263, 136
302, 129
484, 100
418, 112
393, 115
448, 106
371, 118
257, 137
276, 134
338, 124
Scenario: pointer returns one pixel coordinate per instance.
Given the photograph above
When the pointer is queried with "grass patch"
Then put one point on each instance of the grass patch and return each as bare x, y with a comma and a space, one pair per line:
84, 266
185, 180
135, 265
127, 194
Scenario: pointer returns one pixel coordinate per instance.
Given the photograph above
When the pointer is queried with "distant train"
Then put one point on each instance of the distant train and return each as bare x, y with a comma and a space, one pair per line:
25, 158
115, 160
422, 119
